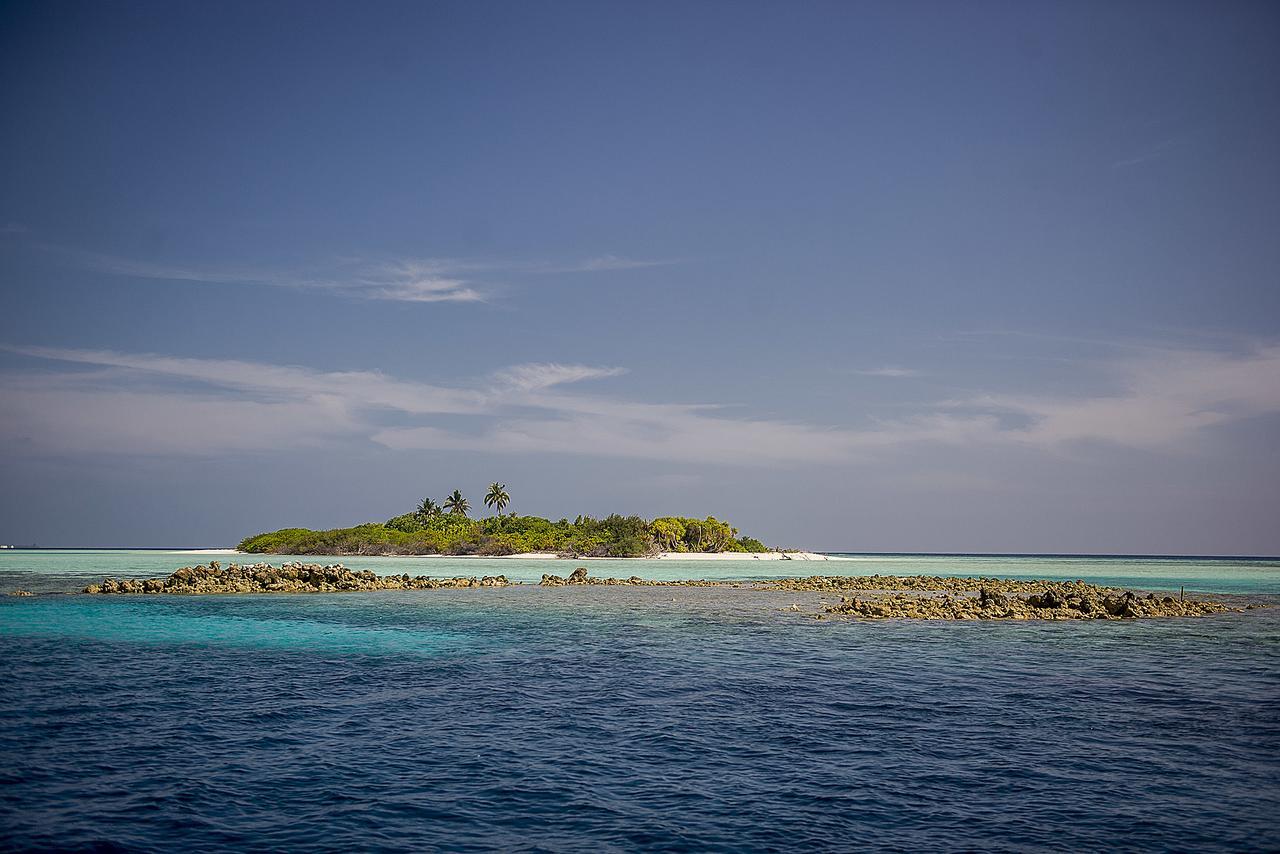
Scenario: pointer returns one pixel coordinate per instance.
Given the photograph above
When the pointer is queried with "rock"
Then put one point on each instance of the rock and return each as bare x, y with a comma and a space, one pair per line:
891, 597
1083, 602
989, 598
288, 578
1050, 598
22, 593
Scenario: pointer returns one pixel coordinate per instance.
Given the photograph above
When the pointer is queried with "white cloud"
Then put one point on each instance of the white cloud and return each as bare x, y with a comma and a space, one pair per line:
408, 281
87, 421
352, 389
888, 371
539, 375
278, 406
138, 403
423, 290
1163, 397
419, 280
605, 262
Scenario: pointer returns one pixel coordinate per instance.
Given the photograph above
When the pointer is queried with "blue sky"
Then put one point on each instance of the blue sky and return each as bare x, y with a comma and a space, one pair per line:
911, 276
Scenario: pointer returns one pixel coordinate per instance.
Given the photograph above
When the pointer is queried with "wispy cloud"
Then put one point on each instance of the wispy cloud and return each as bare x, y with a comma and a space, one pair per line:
1161, 398
408, 281
887, 371
143, 403
600, 264
419, 280
401, 281
104, 401
540, 375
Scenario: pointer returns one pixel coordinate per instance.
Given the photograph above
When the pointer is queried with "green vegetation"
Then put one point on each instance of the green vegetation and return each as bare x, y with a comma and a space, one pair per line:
433, 529
497, 498
456, 504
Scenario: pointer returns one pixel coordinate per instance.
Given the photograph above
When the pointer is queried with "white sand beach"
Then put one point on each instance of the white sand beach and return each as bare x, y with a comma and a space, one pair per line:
741, 556
700, 556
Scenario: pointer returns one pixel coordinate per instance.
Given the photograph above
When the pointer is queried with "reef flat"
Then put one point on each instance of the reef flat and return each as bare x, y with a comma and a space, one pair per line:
884, 597
288, 578
580, 576
1057, 602
992, 599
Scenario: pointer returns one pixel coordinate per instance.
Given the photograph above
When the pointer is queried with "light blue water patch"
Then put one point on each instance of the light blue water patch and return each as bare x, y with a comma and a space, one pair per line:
69, 570
1210, 575
263, 622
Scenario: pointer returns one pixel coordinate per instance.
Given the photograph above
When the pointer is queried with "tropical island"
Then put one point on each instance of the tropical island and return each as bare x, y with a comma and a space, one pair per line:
446, 528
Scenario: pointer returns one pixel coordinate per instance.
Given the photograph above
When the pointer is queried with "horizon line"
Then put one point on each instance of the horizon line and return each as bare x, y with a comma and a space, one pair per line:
1131, 555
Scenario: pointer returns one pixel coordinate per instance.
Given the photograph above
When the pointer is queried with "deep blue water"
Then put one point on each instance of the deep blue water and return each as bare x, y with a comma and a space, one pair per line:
625, 719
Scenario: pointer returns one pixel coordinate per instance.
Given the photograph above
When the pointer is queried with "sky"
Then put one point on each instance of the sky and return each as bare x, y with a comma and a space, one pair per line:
980, 276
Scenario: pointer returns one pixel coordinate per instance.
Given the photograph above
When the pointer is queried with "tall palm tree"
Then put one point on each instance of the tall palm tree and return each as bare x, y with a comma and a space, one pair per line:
455, 503
427, 508
497, 497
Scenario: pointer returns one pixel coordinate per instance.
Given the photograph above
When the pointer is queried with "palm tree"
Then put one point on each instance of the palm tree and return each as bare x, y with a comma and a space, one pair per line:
427, 508
455, 503
497, 497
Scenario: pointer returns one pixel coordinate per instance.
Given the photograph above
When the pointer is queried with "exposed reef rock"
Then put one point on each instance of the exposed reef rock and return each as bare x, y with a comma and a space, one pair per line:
890, 597
288, 578
1065, 602
942, 583
579, 576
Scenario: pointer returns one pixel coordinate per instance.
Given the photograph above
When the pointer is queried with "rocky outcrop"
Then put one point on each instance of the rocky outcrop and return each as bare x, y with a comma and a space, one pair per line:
288, 578
894, 597
580, 576
942, 583
1066, 602
22, 593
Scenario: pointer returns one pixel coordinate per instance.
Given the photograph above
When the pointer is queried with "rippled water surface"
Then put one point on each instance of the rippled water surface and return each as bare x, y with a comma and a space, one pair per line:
623, 719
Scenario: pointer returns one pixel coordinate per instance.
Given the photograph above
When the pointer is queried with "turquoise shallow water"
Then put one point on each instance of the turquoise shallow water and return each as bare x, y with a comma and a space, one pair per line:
68, 570
606, 718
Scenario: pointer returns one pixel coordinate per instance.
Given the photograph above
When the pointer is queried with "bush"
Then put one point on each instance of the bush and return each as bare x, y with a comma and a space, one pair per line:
410, 533
498, 545
409, 523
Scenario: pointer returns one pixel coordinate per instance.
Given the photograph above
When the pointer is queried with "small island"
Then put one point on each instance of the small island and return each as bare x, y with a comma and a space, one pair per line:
446, 528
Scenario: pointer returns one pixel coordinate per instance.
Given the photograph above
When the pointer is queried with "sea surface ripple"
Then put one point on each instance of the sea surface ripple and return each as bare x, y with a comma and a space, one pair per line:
625, 719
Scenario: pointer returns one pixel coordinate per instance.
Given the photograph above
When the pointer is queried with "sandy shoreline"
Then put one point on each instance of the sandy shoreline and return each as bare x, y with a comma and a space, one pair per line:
555, 556
740, 556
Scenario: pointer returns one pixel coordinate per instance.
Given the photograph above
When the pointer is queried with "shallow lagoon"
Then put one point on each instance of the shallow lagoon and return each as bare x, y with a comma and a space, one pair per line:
66, 570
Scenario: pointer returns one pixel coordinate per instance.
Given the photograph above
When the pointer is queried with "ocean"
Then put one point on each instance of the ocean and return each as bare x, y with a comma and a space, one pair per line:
606, 718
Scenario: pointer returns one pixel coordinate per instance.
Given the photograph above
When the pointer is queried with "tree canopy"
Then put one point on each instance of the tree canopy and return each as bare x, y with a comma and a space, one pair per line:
497, 497
456, 504
427, 530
